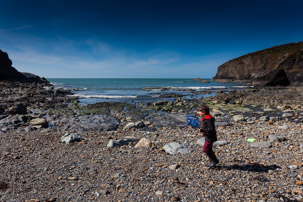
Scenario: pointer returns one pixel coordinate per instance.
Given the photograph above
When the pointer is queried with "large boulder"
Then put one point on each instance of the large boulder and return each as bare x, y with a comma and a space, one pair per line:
277, 66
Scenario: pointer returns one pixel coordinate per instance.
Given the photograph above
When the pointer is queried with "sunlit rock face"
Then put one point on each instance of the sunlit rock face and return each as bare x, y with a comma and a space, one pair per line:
276, 66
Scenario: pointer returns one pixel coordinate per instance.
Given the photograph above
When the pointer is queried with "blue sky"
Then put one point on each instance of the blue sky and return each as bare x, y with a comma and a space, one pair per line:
141, 38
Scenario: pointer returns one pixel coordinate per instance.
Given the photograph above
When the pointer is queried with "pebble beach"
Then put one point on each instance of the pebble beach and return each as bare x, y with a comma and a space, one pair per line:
53, 149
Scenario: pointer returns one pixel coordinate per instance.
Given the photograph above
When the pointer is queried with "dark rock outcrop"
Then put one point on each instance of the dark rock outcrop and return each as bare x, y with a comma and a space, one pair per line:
277, 66
7, 72
34, 78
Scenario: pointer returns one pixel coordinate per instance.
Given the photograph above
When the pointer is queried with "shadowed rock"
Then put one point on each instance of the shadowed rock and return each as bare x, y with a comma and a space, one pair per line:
7, 72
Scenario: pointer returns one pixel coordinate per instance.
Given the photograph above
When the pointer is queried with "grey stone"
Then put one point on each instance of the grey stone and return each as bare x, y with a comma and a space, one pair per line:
201, 141
264, 118
116, 143
287, 115
70, 138
260, 145
220, 143
88, 123
159, 193
222, 123
174, 148
284, 127
139, 124
29, 129
271, 171
273, 138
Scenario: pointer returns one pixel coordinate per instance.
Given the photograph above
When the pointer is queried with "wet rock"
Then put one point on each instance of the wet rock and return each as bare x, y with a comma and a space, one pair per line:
161, 102
174, 148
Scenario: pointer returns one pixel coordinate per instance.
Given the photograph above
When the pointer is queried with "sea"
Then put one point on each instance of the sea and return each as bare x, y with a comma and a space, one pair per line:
94, 90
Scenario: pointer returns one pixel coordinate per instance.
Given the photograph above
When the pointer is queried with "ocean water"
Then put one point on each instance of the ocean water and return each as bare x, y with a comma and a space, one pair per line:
92, 91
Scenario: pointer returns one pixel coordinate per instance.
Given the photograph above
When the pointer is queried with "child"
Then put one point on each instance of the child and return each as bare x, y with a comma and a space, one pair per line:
209, 131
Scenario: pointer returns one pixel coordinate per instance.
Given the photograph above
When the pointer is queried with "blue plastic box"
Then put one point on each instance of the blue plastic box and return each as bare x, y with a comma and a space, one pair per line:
192, 121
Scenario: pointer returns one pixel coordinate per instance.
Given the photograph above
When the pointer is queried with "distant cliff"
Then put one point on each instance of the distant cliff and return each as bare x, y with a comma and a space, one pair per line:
9, 73
280, 65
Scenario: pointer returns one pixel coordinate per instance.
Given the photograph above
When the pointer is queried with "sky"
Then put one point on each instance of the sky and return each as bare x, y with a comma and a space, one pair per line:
141, 38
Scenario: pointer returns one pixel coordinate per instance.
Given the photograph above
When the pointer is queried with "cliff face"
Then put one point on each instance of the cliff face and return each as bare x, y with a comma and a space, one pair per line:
7, 72
279, 65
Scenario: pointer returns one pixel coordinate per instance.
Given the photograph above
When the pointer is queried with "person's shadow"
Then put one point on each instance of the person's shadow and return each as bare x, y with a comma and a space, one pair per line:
253, 167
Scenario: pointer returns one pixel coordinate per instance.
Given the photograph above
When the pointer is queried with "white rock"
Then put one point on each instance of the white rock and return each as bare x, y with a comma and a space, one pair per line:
284, 127
159, 193
38, 121
287, 115
237, 118
174, 148
293, 167
174, 167
129, 126
70, 138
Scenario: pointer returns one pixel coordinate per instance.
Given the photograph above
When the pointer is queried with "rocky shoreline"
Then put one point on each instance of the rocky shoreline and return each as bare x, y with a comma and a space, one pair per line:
53, 149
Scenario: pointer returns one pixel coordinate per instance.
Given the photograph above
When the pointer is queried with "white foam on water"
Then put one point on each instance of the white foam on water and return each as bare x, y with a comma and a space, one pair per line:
106, 96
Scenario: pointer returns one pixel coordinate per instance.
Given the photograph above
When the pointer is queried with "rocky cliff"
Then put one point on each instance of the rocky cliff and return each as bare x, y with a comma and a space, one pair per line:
280, 65
9, 73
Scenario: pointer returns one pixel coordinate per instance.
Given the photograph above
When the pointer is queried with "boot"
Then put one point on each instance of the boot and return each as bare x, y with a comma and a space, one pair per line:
213, 161
214, 158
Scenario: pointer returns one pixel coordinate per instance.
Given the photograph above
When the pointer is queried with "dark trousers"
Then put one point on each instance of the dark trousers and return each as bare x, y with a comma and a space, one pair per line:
208, 148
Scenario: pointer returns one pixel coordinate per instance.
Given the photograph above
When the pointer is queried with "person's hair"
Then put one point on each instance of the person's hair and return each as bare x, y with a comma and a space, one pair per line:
204, 108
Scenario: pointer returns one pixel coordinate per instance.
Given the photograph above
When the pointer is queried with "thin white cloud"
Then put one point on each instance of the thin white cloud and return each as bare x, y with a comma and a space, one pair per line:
15, 28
